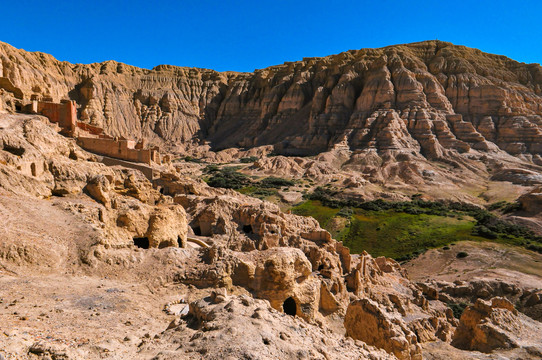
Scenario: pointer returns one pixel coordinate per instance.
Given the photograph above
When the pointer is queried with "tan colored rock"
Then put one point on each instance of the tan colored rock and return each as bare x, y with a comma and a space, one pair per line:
98, 188
449, 97
167, 227
240, 326
487, 326
365, 321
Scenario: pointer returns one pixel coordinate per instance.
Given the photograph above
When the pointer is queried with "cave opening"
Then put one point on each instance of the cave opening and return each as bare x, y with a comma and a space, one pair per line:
290, 306
142, 242
247, 229
164, 244
15, 150
321, 267
196, 230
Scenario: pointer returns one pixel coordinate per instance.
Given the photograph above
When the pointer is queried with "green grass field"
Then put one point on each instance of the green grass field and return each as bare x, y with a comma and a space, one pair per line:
322, 214
396, 234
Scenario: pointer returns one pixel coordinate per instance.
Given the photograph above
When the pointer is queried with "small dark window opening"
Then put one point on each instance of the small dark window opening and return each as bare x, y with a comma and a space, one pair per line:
18, 151
247, 229
197, 230
18, 107
162, 191
321, 267
142, 242
33, 169
289, 306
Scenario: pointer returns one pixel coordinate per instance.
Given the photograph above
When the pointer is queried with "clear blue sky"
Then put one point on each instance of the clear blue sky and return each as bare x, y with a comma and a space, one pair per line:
245, 35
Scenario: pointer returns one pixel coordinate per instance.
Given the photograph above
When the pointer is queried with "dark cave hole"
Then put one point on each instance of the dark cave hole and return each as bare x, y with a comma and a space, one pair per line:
162, 191
18, 151
321, 267
196, 230
163, 245
247, 229
142, 242
289, 306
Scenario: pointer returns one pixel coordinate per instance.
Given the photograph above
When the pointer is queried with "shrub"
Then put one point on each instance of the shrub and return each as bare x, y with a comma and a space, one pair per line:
496, 206
209, 169
511, 207
461, 255
483, 231
537, 248
228, 178
249, 159
275, 182
457, 308
346, 212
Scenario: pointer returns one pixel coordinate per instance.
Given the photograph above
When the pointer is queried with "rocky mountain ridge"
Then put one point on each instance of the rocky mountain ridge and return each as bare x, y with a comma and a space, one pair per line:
429, 99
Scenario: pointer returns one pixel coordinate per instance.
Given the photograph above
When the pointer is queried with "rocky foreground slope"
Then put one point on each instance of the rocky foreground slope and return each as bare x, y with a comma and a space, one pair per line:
90, 256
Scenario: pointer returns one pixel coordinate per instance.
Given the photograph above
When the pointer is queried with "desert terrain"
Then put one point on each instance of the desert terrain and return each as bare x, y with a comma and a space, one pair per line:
374, 204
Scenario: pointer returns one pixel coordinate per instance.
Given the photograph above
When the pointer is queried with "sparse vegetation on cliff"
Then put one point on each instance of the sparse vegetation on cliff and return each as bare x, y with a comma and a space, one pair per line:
231, 178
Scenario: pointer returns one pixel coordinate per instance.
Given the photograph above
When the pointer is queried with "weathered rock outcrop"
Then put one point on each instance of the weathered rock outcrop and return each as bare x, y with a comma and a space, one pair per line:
429, 97
392, 313
105, 215
487, 326
236, 327
35, 160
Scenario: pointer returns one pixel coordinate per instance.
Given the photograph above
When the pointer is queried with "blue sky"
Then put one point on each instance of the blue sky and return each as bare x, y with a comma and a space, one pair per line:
246, 35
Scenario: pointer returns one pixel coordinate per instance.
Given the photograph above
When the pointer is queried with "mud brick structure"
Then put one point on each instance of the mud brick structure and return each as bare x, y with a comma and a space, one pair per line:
89, 137
64, 114
119, 148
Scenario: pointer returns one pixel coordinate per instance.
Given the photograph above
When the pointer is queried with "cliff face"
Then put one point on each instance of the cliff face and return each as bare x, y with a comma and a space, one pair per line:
426, 97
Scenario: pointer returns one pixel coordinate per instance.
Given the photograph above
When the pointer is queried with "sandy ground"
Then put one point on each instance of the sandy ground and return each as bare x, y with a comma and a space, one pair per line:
485, 260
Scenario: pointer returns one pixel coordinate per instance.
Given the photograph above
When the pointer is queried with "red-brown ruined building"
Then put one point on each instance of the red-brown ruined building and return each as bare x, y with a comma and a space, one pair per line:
89, 137
123, 149
64, 114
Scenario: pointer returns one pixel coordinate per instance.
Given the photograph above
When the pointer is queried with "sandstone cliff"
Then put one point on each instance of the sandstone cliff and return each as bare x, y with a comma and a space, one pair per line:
428, 98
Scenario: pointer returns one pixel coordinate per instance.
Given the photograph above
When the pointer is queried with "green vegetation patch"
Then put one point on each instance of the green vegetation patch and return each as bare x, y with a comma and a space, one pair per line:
404, 230
322, 214
227, 177
403, 236
275, 182
458, 308
231, 178
247, 160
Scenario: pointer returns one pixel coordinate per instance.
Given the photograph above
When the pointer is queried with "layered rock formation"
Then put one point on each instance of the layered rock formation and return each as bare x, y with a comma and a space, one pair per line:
36, 161
487, 326
112, 222
429, 97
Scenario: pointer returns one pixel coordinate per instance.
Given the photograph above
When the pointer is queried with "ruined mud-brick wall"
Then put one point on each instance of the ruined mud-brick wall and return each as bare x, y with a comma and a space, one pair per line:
64, 114
93, 130
120, 149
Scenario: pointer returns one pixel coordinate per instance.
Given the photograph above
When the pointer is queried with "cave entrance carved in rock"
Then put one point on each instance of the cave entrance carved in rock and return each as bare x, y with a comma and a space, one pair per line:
142, 242
290, 306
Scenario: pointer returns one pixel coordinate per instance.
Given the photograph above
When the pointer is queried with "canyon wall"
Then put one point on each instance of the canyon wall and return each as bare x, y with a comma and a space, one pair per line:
429, 98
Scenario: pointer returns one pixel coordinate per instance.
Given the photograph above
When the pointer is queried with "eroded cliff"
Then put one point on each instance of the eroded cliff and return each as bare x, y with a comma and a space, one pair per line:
429, 98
